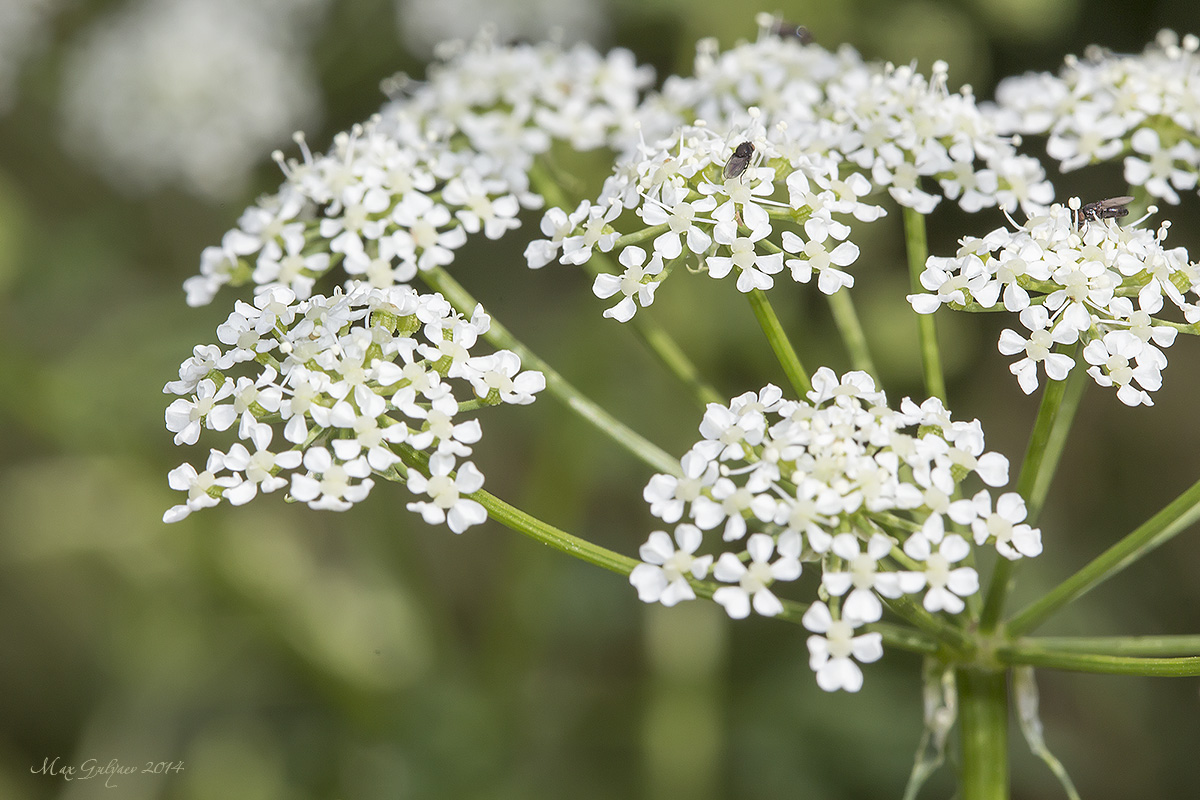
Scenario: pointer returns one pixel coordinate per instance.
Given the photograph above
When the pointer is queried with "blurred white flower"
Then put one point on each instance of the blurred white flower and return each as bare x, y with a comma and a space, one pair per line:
190, 93
425, 23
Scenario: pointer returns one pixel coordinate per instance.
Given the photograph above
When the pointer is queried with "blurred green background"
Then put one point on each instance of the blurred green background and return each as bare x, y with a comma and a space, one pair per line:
284, 653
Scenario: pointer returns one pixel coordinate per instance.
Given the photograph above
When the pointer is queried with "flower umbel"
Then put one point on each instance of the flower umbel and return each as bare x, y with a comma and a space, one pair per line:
843, 480
1094, 284
350, 385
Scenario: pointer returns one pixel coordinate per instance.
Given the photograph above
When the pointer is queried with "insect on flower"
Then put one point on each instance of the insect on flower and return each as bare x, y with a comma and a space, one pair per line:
739, 161
788, 30
1110, 208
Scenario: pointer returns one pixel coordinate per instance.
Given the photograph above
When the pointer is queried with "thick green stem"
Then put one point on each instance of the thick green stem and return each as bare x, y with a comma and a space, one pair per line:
1036, 656
779, 342
1175, 518
1158, 646
1060, 401
498, 335
983, 726
918, 251
846, 320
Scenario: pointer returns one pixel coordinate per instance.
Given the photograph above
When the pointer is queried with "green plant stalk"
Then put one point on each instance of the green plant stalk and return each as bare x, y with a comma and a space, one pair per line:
1178, 515
983, 731
779, 342
917, 248
1046, 441
846, 320
1039, 485
526, 524
1186, 667
669, 353
855, 340
660, 343
1160, 646
650, 453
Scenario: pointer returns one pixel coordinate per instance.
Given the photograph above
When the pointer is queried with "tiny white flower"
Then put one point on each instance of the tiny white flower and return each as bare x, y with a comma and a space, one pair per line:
662, 577
835, 648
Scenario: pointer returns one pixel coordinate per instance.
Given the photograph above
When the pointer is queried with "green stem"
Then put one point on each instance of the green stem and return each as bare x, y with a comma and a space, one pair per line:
983, 726
547, 534
918, 251
779, 342
1160, 646
656, 338
660, 342
1182, 512
669, 353
526, 524
1046, 442
498, 335
846, 320
1054, 442
1034, 656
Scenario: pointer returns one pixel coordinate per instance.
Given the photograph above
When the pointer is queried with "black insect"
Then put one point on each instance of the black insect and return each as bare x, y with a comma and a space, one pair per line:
739, 161
788, 30
1111, 208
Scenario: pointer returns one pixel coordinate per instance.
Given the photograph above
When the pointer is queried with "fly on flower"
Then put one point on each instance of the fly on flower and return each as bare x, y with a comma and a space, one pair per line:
1110, 208
789, 30
739, 161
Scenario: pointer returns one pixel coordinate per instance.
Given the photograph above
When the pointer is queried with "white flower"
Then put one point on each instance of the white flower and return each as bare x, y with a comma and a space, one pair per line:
947, 584
259, 467
198, 486
557, 226
446, 502
754, 579
1117, 360
754, 269
862, 577
501, 373
662, 577
577, 249
680, 216
1037, 349
832, 655
668, 495
330, 484
636, 282
184, 417
816, 257
1005, 526
423, 230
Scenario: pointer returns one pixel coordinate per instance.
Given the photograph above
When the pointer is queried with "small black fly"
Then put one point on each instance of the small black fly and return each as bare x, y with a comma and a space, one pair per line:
739, 161
1110, 208
788, 30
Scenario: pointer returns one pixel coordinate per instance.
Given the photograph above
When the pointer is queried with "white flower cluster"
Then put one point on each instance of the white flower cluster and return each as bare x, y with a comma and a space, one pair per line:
1097, 284
348, 381
890, 123
1144, 108
446, 158
190, 93
842, 479
688, 197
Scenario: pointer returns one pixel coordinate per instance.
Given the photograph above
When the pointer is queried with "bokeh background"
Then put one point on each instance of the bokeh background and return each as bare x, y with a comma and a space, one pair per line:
284, 653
